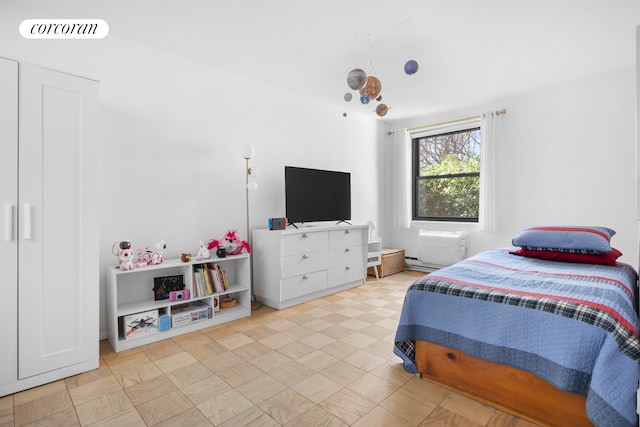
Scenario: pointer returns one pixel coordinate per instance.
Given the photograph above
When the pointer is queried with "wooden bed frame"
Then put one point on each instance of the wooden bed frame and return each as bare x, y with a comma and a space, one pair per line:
511, 390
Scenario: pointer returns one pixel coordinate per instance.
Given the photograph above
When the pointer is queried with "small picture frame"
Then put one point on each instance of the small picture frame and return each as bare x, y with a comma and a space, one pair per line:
163, 285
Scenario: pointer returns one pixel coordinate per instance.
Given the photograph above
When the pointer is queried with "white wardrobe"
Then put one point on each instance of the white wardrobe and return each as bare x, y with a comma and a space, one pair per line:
49, 219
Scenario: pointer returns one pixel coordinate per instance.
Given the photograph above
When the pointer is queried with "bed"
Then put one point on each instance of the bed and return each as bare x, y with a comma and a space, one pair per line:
551, 341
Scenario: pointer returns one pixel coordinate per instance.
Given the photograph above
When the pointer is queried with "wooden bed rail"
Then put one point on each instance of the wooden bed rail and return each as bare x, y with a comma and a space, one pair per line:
509, 389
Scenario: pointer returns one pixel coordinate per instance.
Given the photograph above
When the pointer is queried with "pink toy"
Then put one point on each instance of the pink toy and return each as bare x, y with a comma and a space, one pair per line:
157, 256
143, 258
122, 249
126, 259
231, 243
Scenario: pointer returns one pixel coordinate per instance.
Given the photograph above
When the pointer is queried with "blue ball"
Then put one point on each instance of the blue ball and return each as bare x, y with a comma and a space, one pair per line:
411, 67
365, 98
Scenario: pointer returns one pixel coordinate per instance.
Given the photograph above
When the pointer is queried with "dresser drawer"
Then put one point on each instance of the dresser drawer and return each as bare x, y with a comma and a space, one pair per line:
346, 255
303, 284
306, 262
298, 243
296, 265
345, 274
346, 237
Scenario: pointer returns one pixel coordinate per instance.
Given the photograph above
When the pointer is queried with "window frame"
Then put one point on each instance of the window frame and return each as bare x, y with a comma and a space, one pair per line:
467, 125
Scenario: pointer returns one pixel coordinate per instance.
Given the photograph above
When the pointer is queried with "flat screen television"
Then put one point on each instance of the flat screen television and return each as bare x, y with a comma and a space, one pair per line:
317, 195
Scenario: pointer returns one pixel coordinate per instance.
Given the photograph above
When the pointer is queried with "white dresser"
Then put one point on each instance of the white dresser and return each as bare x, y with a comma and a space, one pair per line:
297, 265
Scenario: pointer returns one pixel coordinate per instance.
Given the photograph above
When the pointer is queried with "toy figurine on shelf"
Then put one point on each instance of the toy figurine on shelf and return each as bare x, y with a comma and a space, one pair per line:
203, 253
122, 249
143, 257
157, 256
231, 243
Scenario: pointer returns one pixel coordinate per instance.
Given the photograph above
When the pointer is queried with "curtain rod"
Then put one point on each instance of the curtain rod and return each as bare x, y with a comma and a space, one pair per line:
499, 112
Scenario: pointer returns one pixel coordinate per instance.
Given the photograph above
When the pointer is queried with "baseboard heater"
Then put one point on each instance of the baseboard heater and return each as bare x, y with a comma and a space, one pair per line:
413, 263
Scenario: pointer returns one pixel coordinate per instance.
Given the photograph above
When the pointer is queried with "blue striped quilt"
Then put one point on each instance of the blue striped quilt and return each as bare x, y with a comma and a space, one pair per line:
575, 325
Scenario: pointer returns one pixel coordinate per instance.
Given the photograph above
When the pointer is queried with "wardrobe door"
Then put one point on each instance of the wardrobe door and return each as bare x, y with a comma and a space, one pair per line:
8, 203
59, 223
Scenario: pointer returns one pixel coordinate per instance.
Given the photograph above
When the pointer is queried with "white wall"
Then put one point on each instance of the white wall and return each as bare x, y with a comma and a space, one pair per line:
566, 156
172, 130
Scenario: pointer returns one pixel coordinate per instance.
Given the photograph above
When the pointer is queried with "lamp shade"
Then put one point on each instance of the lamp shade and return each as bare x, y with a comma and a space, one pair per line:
247, 152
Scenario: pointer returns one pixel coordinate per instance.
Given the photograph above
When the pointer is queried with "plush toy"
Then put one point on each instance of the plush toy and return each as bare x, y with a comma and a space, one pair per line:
231, 243
122, 249
126, 257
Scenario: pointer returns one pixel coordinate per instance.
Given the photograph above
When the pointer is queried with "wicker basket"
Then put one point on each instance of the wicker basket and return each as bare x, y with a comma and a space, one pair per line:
392, 263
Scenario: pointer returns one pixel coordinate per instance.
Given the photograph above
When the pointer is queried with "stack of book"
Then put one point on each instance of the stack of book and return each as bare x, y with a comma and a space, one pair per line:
209, 279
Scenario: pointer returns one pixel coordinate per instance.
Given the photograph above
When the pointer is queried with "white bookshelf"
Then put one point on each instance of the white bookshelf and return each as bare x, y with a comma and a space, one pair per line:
131, 292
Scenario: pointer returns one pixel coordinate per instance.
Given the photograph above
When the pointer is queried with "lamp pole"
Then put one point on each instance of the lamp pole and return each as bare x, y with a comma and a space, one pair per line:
246, 192
247, 153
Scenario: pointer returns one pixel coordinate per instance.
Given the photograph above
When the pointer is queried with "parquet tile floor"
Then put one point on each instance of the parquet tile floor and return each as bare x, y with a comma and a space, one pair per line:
328, 362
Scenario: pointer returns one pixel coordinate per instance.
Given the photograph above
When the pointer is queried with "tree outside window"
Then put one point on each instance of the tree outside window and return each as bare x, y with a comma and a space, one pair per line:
447, 176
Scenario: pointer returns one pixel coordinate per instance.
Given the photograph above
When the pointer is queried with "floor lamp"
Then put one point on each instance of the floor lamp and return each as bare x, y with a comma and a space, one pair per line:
248, 153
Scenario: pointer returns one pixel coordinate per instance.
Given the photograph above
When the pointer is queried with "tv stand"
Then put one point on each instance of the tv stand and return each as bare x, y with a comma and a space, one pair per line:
343, 220
298, 265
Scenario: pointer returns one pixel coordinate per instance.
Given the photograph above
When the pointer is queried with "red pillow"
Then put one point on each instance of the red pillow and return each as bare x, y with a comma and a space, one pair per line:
605, 259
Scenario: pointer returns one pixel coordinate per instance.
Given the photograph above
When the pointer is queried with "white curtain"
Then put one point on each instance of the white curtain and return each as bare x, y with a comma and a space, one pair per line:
402, 187
490, 131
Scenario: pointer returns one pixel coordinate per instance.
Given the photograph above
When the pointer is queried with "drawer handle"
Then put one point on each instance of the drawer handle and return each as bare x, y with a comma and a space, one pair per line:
305, 277
305, 256
305, 235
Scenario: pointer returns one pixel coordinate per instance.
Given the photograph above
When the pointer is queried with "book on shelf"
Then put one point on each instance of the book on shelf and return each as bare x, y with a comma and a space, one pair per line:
225, 280
216, 279
203, 282
208, 281
195, 292
219, 276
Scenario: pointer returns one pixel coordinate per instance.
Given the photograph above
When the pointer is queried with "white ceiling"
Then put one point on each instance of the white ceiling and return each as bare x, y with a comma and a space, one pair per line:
469, 51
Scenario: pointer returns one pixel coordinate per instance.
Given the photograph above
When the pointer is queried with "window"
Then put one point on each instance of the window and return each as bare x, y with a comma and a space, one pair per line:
446, 171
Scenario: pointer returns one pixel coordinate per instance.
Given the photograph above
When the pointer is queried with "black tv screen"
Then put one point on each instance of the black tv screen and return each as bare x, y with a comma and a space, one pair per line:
317, 195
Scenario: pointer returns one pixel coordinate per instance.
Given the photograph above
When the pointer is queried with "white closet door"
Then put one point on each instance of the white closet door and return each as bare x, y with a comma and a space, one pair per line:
59, 223
8, 212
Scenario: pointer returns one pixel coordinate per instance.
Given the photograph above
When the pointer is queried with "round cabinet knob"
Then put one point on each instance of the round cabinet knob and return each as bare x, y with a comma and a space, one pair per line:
347, 268
347, 250
305, 235
346, 231
305, 277
305, 256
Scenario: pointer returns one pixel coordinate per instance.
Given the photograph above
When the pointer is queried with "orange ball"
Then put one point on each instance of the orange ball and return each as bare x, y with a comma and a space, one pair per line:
373, 87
